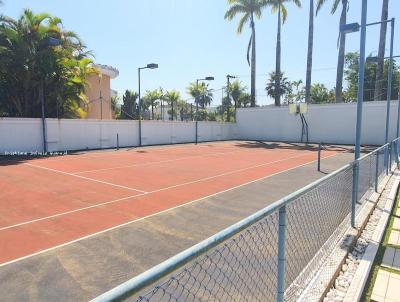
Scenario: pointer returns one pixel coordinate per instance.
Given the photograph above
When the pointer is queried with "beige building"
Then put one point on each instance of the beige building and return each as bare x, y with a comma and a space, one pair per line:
99, 93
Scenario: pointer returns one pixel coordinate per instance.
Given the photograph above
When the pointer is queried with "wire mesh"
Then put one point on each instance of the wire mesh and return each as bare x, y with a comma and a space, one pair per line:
381, 164
366, 177
312, 220
242, 269
245, 266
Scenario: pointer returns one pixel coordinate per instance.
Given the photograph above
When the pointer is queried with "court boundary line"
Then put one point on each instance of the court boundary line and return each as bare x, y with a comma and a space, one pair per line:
148, 193
161, 162
68, 212
86, 178
137, 149
152, 215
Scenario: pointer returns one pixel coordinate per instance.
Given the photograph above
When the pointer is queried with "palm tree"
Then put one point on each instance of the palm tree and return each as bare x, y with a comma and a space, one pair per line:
172, 97
151, 98
279, 6
381, 52
249, 9
202, 95
310, 52
342, 44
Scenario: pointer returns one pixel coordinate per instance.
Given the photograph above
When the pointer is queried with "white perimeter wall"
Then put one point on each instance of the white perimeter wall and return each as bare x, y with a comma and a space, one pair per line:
328, 123
25, 135
331, 123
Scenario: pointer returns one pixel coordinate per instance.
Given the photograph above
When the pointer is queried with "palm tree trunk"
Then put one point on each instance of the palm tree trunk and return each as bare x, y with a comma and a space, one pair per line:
278, 61
342, 48
310, 52
381, 52
253, 64
152, 110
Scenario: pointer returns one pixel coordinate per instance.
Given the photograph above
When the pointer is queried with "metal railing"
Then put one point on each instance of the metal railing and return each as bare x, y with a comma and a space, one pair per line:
271, 255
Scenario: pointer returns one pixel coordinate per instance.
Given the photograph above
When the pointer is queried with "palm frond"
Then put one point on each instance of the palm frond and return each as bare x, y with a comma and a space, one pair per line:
320, 3
243, 20
335, 6
284, 13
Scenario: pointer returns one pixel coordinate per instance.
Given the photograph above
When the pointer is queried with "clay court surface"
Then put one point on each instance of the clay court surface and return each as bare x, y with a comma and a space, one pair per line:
74, 226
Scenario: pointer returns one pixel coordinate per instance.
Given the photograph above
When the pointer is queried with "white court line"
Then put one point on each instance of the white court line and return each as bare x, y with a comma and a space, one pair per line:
147, 193
68, 212
93, 153
154, 214
164, 161
86, 178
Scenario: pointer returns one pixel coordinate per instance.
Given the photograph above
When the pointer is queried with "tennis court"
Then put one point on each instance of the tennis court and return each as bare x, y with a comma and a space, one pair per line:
51, 207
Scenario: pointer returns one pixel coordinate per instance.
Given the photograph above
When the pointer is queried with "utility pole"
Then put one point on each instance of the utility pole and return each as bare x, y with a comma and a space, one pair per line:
228, 77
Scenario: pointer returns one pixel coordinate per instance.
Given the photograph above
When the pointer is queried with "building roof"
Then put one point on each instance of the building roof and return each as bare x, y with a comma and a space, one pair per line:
110, 71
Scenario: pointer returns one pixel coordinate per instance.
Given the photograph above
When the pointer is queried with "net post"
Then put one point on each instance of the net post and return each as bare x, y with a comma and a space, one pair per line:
354, 195
319, 157
281, 255
117, 141
376, 171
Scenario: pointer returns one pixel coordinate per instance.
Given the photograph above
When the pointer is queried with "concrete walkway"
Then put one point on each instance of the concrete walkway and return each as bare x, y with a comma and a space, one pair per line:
387, 283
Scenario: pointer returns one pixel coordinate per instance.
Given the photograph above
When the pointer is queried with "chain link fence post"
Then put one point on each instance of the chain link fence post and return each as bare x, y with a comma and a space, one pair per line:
281, 255
376, 171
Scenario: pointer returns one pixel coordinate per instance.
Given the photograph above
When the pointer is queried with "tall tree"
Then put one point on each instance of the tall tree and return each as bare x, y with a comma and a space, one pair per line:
172, 97
153, 97
342, 44
284, 87
30, 65
381, 51
310, 52
280, 7
202, 95
249, 10
129, 107
351, 75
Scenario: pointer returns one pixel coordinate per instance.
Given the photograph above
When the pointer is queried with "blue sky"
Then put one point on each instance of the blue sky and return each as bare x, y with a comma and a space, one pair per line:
190, 39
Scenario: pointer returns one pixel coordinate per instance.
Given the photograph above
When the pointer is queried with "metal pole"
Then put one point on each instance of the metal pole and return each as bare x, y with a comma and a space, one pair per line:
197, 113
140, 111
360, 98
281, 255
376, 171
117, 141
389, 93
101, 105
43, 116
319, 157
228, 95
398, 114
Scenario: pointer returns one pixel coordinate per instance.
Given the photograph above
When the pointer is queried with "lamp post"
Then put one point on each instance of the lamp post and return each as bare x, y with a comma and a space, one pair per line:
47, 43
197, 104
228, 77
148, 66
349, 28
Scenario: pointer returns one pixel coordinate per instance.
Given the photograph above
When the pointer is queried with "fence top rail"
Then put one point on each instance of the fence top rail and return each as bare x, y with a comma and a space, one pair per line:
379, 149
138, 283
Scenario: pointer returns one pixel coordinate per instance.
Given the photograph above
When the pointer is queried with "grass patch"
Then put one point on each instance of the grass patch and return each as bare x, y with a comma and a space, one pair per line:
379, 256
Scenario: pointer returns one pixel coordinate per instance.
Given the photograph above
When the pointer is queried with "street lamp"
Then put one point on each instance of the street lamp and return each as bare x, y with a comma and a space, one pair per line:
197, 104
148, 66
355, 27
47, 43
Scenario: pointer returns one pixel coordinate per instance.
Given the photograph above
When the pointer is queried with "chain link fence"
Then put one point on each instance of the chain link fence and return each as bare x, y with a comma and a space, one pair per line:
271, 255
